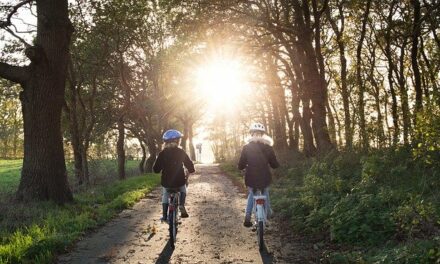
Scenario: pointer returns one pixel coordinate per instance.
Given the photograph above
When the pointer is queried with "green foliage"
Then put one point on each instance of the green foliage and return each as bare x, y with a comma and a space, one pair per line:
361, 218
365, 200
49, 228
428, 137
416, 217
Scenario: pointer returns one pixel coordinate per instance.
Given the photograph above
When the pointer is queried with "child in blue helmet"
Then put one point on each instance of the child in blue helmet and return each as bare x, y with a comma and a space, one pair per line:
170, 162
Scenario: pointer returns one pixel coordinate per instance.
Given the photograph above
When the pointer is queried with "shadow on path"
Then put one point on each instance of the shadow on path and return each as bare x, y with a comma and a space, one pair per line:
165, 255
266, 256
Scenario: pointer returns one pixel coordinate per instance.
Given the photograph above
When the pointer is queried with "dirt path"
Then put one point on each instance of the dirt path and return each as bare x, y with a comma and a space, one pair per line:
212, 234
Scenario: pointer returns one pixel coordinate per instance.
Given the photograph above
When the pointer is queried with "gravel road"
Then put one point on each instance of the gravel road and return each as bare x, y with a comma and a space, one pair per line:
213, 233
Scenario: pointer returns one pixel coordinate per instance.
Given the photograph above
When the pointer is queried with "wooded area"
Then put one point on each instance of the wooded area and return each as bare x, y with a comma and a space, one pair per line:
327, 75
348, 89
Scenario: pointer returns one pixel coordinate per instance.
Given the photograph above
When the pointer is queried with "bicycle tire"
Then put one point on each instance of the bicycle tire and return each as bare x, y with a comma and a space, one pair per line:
172, 228
260, 235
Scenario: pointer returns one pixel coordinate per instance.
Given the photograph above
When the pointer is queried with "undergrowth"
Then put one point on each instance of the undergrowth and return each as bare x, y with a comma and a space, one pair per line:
380, 207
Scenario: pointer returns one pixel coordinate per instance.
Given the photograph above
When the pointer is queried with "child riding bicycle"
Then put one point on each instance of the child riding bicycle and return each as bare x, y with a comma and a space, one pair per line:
170, 162
256, 157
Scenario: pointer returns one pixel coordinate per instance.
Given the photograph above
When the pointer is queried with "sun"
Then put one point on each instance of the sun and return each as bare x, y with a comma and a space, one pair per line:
222, 82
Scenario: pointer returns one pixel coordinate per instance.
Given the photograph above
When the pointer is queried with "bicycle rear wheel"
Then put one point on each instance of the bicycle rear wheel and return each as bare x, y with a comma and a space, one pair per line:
173, 228
260, 235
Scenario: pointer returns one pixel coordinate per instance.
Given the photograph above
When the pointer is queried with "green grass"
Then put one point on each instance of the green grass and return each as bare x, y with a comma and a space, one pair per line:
100, 171
35, 233
9, 176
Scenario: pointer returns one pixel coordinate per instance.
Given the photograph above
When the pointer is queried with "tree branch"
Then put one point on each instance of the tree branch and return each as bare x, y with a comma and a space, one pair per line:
15, 74
15, 8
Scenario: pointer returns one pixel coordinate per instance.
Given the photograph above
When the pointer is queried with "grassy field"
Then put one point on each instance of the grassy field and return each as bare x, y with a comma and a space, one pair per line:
9, 176
100, 171
37, 232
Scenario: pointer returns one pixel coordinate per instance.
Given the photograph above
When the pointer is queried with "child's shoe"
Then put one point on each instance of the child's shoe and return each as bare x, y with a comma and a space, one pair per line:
247, 221
183, 212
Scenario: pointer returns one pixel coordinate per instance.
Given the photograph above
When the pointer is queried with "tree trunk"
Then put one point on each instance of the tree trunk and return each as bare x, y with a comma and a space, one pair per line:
317, 91
77, 162
296, 118
120, 149
44, 175
72, 114
363, 131
192, 150
184, 141
144, 157
339, 32
309, 147
331, 123
390, 76
152, 149
414, 56
404, 96
85, 165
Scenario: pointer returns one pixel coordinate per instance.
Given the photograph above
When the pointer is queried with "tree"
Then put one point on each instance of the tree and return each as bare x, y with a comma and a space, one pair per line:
44, 175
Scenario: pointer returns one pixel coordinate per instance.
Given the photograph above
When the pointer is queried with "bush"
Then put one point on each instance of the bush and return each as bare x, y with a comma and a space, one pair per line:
428, 137
416, 218
361, 219
384, 197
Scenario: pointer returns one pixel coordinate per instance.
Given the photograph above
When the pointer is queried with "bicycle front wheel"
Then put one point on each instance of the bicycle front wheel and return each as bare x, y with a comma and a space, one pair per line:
260, 235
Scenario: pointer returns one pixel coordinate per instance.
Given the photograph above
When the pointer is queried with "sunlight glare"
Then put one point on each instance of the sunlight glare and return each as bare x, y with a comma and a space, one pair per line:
222, 82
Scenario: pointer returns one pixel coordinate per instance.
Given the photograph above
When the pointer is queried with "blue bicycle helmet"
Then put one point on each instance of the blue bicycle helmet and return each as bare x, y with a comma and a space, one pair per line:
171, 135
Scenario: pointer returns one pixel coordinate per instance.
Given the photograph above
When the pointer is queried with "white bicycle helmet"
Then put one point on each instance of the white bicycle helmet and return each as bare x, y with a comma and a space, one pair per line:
257, 127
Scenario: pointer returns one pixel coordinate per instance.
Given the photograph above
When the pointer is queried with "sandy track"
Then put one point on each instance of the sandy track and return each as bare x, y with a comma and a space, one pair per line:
212, 234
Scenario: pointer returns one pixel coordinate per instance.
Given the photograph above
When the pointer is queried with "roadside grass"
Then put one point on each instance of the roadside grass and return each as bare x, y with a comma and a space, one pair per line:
37, 232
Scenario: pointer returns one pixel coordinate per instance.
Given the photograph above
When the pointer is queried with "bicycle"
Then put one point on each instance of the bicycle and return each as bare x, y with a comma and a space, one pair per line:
260, 215
173, 215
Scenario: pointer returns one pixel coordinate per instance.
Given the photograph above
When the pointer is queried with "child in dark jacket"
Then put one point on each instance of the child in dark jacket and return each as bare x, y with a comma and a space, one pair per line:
256, 157
170, 162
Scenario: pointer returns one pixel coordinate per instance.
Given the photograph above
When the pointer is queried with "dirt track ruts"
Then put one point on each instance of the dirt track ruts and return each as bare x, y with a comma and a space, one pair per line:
212, 234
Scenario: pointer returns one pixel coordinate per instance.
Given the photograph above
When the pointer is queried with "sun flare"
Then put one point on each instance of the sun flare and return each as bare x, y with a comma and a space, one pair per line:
223, 82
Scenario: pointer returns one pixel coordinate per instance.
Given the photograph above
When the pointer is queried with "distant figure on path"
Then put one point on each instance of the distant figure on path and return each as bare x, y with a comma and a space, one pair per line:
256, 157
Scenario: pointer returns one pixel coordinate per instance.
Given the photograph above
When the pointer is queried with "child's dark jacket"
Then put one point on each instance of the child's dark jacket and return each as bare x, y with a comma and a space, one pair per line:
170, 162
256, 157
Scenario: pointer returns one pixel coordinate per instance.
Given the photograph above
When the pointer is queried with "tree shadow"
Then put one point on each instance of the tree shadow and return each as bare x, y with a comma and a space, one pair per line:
266, 256
165, 255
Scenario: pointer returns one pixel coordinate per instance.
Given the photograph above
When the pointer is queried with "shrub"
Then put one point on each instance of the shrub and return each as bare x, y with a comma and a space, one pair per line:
361, 219
416, 218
